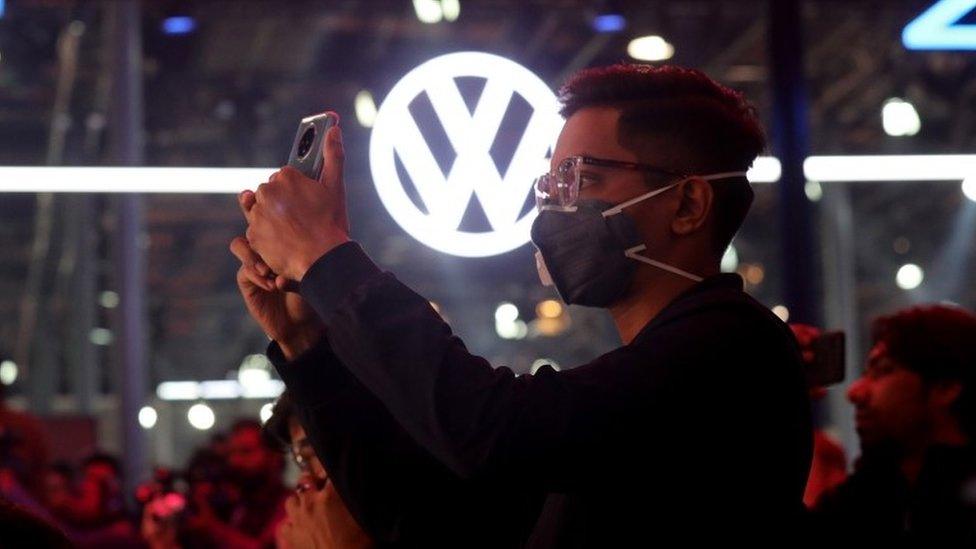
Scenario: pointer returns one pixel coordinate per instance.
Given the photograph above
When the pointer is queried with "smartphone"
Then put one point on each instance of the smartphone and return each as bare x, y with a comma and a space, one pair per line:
306, 151
828, 366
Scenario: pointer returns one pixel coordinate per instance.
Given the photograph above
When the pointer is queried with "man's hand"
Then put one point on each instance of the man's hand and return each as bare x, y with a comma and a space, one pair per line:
283, 315
305, 524
319, 518
296, 220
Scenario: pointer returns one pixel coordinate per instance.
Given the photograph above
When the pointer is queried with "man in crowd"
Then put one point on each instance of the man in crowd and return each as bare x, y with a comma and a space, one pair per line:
647, 187
316, 515
915, 482
257, 501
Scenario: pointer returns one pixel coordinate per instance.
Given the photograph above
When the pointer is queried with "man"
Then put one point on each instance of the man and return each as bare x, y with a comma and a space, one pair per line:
24, 446
915, 482
258, 498
646, 190
316, 515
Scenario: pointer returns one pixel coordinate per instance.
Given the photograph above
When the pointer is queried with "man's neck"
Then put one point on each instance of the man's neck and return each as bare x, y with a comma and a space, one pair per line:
945, 434
651, 291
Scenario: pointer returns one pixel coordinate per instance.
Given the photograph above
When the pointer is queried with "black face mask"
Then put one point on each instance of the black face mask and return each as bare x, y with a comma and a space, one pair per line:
589, 251
585, 253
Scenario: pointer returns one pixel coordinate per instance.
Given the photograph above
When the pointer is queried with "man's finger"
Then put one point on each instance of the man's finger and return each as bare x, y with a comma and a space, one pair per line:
252, 261
285, 285
242, 250
260, 195
249, 275
246, 201
291, 505
334, 158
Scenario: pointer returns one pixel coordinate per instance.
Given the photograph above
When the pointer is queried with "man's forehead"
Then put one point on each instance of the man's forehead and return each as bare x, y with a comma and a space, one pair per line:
591, 132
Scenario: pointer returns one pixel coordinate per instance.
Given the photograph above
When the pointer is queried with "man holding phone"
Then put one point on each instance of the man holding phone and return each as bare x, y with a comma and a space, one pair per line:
646, 190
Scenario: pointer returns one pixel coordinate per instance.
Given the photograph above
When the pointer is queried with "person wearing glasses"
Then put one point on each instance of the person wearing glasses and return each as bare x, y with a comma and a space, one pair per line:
697, 428
315, 514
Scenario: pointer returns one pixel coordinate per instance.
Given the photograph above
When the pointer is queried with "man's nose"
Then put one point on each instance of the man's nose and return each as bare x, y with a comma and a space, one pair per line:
858, 391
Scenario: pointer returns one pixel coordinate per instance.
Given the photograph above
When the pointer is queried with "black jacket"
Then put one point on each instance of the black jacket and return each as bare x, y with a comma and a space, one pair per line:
700, 427
877, 506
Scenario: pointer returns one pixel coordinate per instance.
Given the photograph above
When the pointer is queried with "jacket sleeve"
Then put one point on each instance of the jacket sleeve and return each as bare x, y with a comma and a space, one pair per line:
396, 491
543, 429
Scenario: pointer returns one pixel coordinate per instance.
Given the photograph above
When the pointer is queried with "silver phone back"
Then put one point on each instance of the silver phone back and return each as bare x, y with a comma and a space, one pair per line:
306, 151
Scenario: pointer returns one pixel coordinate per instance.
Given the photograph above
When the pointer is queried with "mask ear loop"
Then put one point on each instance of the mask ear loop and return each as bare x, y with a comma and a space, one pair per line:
632, 253
619, 208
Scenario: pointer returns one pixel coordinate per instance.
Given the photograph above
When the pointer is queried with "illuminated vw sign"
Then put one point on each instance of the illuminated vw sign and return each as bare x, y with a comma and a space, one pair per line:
434, 214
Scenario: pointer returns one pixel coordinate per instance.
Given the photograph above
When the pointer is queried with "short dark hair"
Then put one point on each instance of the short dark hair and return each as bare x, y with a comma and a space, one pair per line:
712, 128
104, 458
938, 342
276, 430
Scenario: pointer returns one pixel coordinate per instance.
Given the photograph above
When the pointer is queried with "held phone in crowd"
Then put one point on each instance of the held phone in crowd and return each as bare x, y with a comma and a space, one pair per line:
828, 363
306, 152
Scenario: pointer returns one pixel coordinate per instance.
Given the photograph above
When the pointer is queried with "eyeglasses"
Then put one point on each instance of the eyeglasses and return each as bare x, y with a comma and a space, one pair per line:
302, 453
560, 189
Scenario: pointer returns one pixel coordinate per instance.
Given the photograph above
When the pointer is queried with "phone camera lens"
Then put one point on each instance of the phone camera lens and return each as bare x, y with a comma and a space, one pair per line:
305, 145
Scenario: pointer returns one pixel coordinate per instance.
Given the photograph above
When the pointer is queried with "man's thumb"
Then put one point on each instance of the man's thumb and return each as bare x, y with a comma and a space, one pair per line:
334, 157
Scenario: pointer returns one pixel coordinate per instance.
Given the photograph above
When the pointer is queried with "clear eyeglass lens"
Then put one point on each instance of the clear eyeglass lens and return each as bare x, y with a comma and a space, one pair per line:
560, 188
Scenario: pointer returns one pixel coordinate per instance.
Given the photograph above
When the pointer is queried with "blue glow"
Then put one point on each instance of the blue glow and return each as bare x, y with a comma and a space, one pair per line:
3, 7
179, 25
936, 28
609, 22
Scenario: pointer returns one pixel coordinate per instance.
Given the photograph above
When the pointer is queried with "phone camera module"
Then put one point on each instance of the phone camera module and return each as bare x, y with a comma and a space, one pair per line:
305, 145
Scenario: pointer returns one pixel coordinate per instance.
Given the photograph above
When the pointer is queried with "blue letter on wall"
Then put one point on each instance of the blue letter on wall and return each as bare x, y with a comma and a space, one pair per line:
936, 28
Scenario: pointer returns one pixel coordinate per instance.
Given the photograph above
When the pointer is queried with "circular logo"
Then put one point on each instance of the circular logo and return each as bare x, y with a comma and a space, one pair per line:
473, 174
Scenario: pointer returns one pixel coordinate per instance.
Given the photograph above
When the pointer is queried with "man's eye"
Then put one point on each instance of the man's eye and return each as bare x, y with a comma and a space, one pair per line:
588, 179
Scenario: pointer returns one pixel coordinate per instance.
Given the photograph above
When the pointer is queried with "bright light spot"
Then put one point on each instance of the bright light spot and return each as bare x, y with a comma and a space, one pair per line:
507, 324
255, 371
148, 417
650, 48
512, 330
252, 378
218, 389
265, 413
178, 390
101, 336
365, 108
900, 118
730, 260
609, 22
549, 308
754, 274
543, 362
108, 299
969, 188
179, 25
813, 190
909, 276
428, 11
451, 9
506, 313
3, 7
201, 416
782, 312
8, 372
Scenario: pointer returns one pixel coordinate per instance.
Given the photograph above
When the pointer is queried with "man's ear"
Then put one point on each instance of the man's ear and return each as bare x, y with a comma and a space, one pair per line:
694, 206
944, 393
